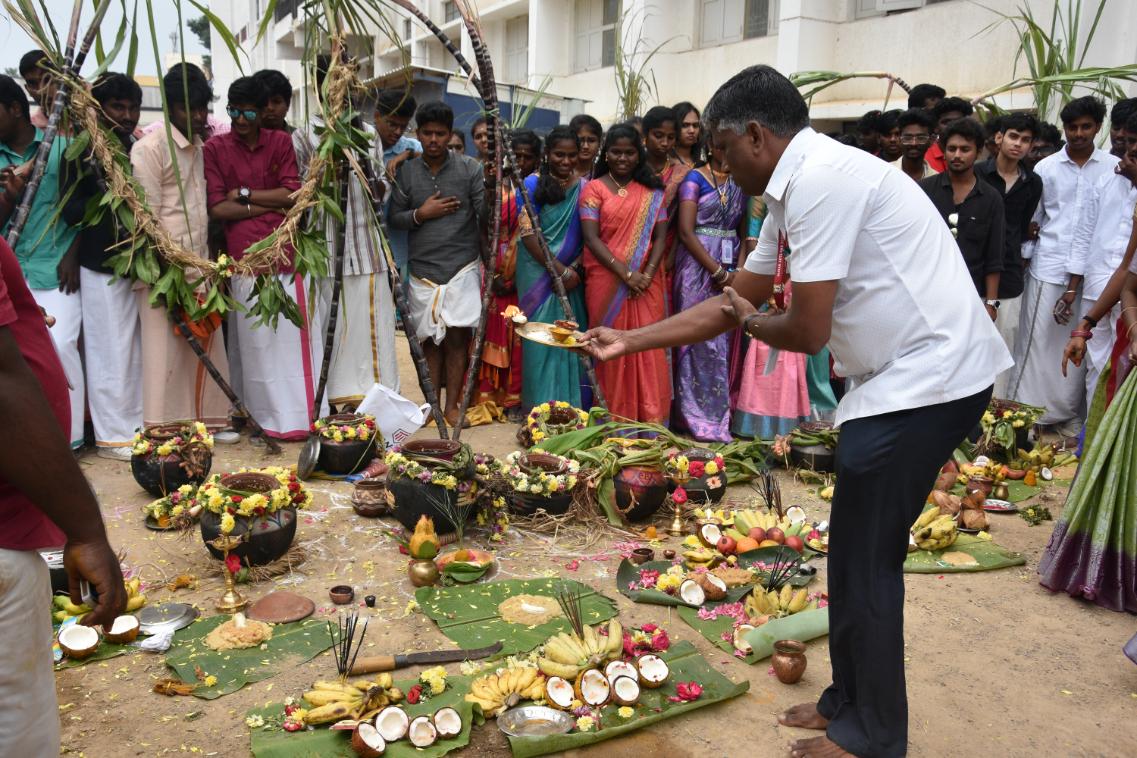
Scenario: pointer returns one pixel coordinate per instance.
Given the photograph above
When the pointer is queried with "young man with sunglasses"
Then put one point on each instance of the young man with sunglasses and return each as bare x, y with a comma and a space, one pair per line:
250, 175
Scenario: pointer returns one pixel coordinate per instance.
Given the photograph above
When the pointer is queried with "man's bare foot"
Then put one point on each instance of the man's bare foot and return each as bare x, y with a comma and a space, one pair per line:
803, 716
452, 420
817, 747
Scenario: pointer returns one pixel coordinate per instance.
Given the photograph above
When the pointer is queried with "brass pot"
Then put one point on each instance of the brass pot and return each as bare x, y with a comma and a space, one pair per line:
423, 572
788, 661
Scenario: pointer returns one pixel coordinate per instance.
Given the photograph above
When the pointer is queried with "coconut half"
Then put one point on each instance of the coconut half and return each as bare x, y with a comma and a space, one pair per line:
422, 732
625, 690
559, 693
448, 722
709, 534
392, 723
78, 641
620, 668
795, 514
366, 740
123, 631
692, 593
739, 642
592, 688
653, 671
1045, 474
713, 587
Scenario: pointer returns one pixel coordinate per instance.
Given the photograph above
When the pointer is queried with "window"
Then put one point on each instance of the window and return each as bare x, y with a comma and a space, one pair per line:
761, 18
595, 33
517, 50
866, 8
408, 30
449, 11
725, 21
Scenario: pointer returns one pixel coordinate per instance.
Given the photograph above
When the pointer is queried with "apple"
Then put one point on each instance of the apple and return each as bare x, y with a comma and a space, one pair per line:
777, 535
796, 543
726, 545
758, 534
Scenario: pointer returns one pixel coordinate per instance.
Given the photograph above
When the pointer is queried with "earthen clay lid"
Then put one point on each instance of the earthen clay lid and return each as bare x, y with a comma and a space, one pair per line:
281, 607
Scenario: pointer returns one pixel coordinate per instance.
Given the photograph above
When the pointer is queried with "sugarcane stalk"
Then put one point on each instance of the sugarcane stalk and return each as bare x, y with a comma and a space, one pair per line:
62, 95
337, 288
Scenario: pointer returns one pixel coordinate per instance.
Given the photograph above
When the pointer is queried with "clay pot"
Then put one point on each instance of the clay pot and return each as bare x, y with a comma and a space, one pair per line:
788, 660
270, 535
426, 449
161, 475
423, 573
640, 491
369, 497
698, 492
982, 483
413, 499
817, 458
341, 594
641, 555
549, 464
528, 504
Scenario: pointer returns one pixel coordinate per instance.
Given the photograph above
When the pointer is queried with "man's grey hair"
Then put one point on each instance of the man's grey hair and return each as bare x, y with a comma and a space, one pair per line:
761, 94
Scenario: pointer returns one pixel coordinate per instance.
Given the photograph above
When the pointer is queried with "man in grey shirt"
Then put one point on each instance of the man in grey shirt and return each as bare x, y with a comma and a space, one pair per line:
439, 197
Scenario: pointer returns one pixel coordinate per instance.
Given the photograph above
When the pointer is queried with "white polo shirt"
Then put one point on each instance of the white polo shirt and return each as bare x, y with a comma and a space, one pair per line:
908, 330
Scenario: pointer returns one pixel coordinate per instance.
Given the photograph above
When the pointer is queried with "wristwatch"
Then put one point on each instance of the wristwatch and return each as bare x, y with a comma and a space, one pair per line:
245, 196
993, 303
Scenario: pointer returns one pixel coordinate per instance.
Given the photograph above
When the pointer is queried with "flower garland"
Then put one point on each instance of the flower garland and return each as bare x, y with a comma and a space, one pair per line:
537, 423
193, 433
215, 497
361, 428
494, 514
401, 467
173, 505
538, 482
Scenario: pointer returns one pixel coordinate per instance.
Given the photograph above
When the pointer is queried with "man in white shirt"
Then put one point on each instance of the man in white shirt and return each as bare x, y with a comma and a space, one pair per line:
1051, 293
1099, 245
877, 277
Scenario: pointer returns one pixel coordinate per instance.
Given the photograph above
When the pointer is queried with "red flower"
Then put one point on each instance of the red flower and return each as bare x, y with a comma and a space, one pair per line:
259, 510
649, 628
685, 692
659, 640
696, 469
292, 726
232, 511
236, 498
414, 694
294, 486
679, 496
289, 709
233, 563
718, 461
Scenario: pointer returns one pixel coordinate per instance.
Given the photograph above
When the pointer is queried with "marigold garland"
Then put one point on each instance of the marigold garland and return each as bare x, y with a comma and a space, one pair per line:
215, 497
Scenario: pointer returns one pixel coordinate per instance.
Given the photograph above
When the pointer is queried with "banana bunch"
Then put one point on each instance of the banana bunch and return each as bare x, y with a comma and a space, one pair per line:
335, 700
566, 655
778, 603
700, 556
496, 692
933, 531
745, 520
65, 609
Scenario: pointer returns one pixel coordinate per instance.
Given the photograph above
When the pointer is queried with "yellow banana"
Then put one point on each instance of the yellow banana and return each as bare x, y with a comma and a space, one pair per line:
575, 648
134, 603
326, 714
489, 707
798, 601
785, 596
481, 688
555, 650
553, 668
318, 698
536, 690
385, 680
589, 641
615, 638
525, 679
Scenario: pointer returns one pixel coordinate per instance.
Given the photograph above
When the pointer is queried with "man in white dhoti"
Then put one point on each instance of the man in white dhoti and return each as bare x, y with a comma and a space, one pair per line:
1052, 291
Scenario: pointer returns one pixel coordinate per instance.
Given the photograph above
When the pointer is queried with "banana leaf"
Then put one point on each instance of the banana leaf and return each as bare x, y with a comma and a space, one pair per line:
291, 644
803, 626
270, 741
686, 666
988, 556
468, 614
105, 651
628, 574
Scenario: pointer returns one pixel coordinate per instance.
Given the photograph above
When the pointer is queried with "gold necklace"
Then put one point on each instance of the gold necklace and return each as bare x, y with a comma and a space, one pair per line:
620, 187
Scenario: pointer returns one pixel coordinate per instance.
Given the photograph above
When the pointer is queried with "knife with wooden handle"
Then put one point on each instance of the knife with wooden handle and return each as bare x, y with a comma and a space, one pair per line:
376, 663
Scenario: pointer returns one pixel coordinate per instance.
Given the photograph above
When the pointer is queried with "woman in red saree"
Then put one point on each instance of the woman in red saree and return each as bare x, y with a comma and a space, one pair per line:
624, 224
500, 374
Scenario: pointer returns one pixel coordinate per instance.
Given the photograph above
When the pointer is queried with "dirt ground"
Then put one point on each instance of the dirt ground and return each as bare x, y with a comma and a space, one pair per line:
996, 665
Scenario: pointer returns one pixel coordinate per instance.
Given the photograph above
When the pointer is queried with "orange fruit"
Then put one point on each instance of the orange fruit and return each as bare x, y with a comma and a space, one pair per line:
745, 544
767, 543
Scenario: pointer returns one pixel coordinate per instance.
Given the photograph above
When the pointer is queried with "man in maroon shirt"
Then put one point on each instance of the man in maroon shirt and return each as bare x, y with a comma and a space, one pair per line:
44, 502
250, 175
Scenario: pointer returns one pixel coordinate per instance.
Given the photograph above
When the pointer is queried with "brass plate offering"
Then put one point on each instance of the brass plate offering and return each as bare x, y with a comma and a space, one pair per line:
543, 334
534, 721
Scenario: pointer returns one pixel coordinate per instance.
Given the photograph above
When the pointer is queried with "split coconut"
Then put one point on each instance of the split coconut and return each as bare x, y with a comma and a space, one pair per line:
709, 534
593, 688
366, 740
422, 732
392, 723
123, 631
448, 722
739, 642
625, 690
692, 593
620, 668
713, 587
559, 693
653, 671
78, 641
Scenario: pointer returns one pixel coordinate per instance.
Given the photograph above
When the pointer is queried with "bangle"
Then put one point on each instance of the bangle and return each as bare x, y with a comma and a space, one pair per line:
564, 273
1070, 292
748, 322
414, 217
1085, 334
750, 239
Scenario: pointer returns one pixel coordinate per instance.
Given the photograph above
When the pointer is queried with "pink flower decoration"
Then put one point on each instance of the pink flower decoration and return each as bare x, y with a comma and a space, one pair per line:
649, 628
232, 563
679, 496
686, 692
697, 469
572, 565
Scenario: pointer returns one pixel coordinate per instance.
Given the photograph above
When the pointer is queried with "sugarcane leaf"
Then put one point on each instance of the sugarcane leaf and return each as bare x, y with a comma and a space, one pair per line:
223, 31
78, 146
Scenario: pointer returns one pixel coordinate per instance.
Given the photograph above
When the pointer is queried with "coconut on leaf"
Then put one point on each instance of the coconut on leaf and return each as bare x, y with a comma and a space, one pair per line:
422, 732
653, 671
78, 641
709, 534
739, 642
625, 690
392, 723
713, 587
620, 668
123, 631
448, 722
795, 514
559, 693
366, 741
692, 593
592, 688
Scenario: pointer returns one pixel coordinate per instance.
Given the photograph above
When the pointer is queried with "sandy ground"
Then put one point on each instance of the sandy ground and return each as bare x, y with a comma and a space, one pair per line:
996, 665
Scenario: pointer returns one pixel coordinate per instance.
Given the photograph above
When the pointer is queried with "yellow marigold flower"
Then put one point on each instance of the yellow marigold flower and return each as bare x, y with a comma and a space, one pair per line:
165, 448
626, 712
585, 723
210, 680
711, 468
227, 523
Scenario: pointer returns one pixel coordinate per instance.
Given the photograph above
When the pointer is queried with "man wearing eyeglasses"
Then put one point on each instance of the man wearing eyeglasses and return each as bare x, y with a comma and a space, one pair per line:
250, 175
916, 126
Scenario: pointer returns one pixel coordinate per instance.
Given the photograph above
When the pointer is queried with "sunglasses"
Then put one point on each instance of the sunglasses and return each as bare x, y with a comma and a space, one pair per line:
234, 113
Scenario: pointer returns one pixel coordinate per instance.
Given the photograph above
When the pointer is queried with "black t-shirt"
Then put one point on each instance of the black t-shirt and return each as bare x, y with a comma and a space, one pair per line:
979, 227
1018, 208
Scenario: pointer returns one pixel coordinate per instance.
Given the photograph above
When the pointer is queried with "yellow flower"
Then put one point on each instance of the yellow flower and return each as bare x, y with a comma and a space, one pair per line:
227, 523
435, 678
1006, 414
711, 468
575, 704
178, 510
585, 723
626, 712
668, 582
210, 680
299, 715
1018, 423
537, 435
165, 448
988, 418
337, 436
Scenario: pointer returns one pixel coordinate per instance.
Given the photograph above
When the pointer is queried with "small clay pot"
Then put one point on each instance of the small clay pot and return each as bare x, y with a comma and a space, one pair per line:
341, 594
788, 660
668, 554
369, 601
641, 555
423, 572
